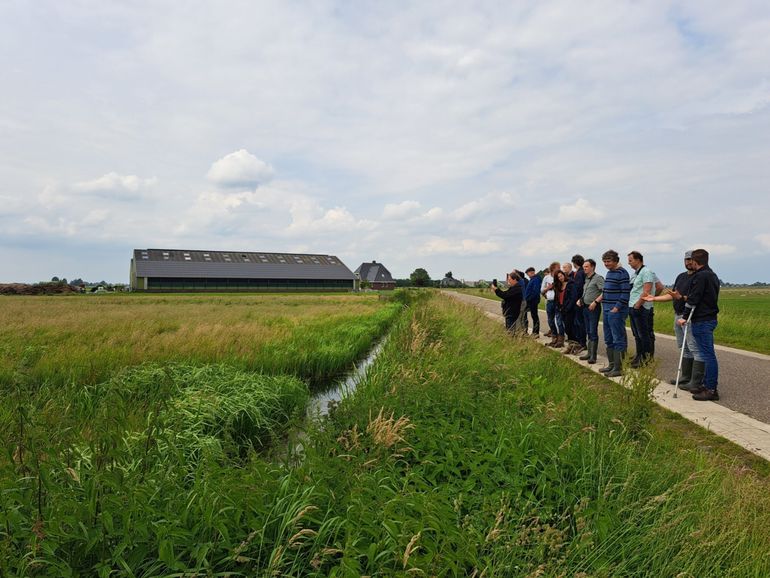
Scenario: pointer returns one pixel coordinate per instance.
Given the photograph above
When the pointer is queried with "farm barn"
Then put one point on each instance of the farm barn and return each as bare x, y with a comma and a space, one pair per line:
376, 274
170, 270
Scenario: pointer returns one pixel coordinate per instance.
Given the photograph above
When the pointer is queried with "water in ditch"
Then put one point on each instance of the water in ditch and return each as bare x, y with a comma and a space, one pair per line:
321, 401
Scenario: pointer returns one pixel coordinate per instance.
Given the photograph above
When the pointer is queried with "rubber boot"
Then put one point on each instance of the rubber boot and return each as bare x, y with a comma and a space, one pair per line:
617, 366
594, 346
610, 362
684, 379
696, 381
587, 355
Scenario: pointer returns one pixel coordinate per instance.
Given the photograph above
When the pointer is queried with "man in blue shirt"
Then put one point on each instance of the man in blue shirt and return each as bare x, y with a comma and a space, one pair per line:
532, 299
614, 300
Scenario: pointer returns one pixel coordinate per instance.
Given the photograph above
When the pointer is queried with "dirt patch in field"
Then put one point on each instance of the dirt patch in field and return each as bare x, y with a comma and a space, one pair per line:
36, 289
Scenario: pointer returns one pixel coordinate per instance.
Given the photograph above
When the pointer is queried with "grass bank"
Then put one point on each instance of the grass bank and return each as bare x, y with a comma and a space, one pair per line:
463, 453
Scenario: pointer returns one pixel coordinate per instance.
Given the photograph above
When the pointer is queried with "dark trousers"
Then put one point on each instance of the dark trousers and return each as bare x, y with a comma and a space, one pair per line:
532, 310
591, 322
579, 326
510, 322
641, 319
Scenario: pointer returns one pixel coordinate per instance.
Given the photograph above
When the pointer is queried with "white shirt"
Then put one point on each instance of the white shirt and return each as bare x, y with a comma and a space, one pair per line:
550, 294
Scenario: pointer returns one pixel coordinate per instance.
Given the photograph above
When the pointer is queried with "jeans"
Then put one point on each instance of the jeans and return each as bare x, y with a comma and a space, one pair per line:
691, 350
558, 319
591, 322
510, 323
703, 331
615, 329
569, 323
641, 320
550, 311
578, 326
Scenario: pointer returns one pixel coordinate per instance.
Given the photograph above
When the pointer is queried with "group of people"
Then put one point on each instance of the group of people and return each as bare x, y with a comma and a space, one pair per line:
577, 297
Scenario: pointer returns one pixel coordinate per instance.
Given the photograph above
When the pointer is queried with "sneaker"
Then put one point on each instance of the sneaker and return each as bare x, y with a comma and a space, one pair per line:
706, 395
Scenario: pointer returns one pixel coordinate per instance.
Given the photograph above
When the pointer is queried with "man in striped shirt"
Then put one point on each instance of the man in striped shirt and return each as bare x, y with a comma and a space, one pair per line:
614, 300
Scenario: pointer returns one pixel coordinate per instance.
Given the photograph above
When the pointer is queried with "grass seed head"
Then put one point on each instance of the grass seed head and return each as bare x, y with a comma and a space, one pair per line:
386, 431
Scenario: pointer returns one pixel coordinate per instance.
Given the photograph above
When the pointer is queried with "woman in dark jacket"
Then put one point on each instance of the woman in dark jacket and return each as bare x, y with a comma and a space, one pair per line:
512, 298
565, 305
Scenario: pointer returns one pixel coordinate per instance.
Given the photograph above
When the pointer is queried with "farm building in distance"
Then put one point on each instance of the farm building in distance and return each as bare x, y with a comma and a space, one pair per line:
169, 270
376, 275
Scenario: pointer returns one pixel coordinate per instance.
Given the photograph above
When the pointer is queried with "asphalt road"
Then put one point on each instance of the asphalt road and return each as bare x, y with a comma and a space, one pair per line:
744, 376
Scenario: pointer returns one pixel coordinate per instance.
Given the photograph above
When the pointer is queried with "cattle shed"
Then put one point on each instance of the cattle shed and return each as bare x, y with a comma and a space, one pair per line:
178, 270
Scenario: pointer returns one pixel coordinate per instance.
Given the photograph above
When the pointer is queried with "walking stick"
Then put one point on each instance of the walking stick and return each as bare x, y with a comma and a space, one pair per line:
681, 352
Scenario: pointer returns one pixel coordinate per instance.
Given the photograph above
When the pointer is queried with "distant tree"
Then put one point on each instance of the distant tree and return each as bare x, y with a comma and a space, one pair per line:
365, 284
54, 279
77, 282
448, 274
420, 277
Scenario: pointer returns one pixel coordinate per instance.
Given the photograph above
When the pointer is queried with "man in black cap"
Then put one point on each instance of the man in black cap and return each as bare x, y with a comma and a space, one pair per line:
692, 363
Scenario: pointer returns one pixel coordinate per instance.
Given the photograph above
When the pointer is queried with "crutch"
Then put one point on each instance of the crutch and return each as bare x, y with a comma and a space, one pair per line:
681, 352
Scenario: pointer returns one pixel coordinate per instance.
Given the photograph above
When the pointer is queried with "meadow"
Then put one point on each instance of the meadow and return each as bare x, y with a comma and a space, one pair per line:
744, 317
462, 453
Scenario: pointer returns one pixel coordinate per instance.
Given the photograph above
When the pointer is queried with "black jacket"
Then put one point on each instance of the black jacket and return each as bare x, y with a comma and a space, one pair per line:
570, 299
512, 298
703, 296
682, 285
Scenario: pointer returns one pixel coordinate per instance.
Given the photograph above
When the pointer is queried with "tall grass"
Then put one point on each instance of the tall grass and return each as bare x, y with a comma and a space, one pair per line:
462, 453
88, 339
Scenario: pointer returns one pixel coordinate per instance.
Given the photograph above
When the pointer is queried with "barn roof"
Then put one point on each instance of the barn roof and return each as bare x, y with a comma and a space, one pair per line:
238, 264
374, 272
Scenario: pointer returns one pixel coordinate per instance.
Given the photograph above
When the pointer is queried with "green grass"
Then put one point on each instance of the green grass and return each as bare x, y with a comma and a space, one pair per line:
462, 453
61, 340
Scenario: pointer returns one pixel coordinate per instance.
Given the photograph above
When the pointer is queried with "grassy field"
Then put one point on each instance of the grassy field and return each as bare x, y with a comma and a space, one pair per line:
462, 453
86, 339
744, 317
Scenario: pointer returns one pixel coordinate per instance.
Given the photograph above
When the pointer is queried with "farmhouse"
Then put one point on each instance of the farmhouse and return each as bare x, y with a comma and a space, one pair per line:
185, 271
376, 275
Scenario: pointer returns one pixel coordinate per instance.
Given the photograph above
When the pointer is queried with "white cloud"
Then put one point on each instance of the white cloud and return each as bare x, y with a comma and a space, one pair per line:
438, 245
400, 210
114, 185
109, 187
581, 211
488, 203
764, 240
240, 169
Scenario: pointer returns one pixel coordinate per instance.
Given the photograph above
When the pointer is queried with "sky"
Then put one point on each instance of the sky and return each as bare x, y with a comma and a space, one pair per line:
471, 137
